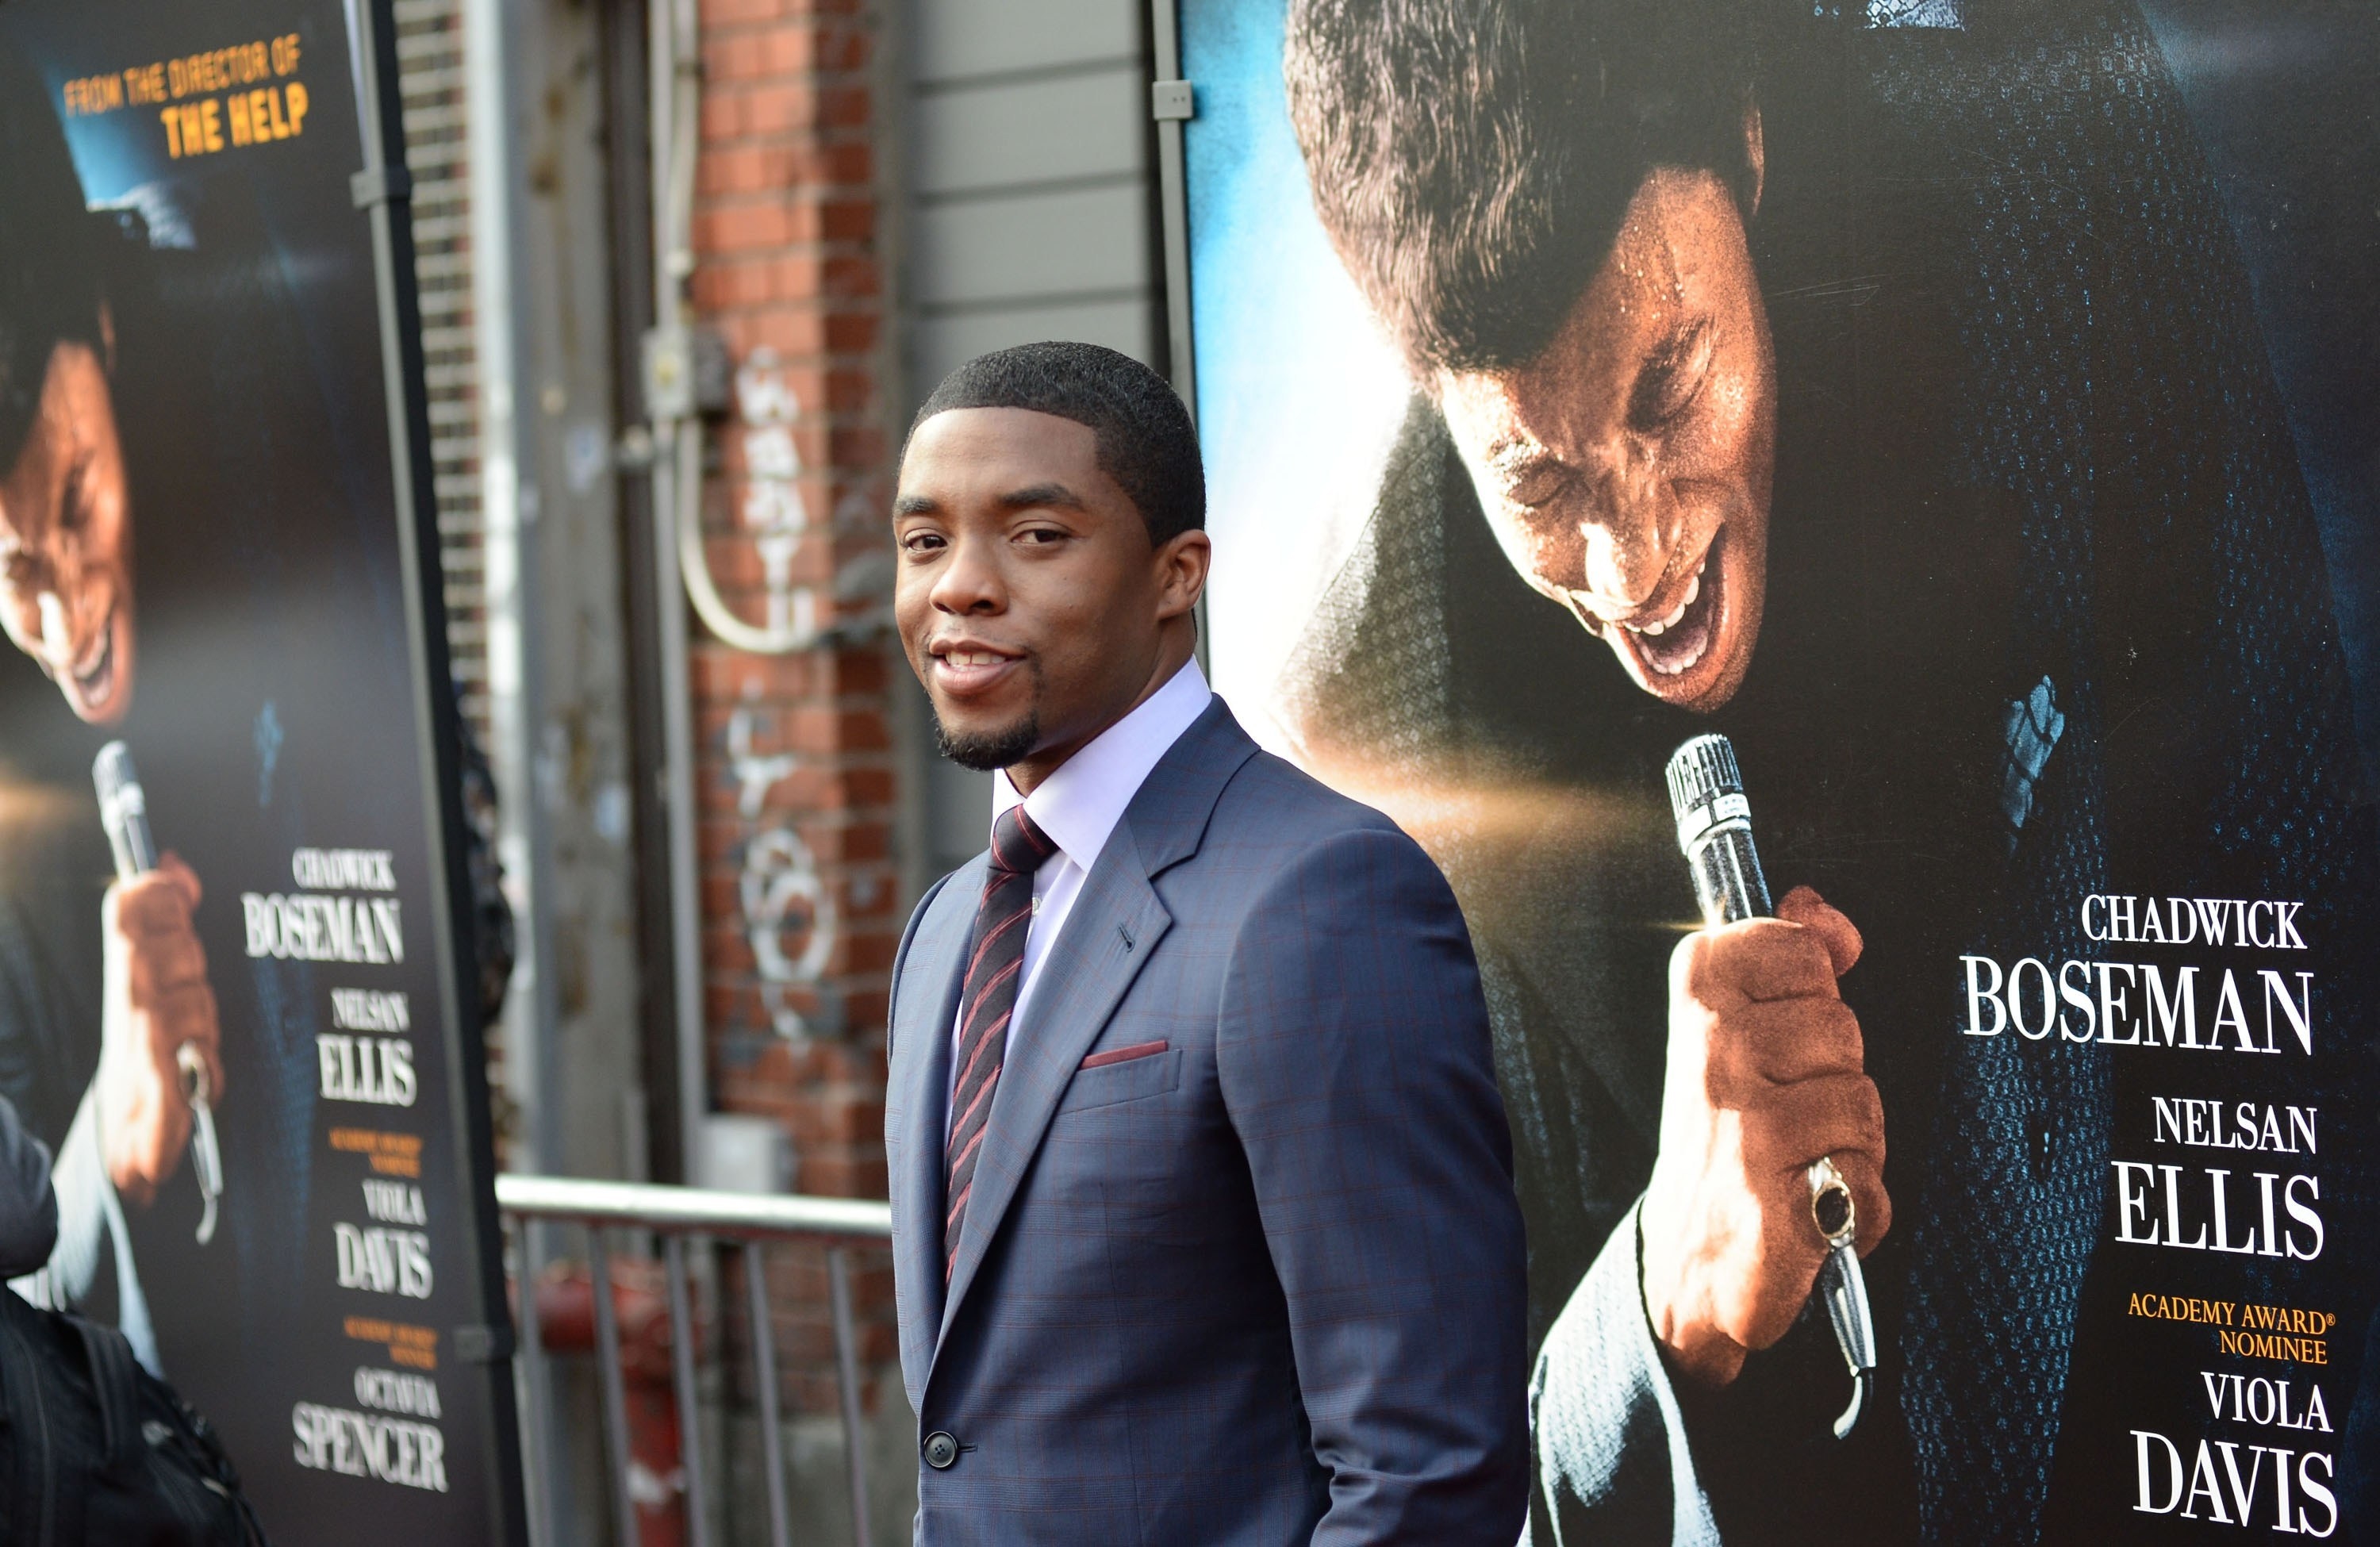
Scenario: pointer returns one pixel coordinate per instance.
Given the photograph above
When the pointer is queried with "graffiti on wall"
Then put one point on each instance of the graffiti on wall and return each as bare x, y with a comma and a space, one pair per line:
788, 913
772, 506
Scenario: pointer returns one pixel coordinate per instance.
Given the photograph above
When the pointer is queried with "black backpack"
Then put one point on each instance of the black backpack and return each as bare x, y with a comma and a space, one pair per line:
93, 1449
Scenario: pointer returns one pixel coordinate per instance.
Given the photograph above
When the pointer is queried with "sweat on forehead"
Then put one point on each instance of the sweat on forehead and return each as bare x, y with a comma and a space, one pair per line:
1144, 435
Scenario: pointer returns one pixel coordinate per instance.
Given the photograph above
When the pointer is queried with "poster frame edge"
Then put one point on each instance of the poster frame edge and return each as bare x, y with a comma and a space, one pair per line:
382, 189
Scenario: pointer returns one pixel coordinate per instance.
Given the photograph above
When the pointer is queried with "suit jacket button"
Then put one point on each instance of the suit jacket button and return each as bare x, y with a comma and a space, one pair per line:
941, 1450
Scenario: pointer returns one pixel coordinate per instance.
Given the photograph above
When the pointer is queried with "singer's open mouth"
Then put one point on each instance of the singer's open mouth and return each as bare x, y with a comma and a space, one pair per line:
96, 681
1676, 643
98, 685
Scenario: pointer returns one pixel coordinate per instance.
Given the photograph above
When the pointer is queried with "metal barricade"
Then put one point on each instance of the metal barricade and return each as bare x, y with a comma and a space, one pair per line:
674, 1213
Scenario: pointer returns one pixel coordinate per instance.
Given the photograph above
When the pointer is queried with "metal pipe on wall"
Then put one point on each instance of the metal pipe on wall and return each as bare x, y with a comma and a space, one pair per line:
676, 491
681, 571
508, 506
1173, 102
1165, 41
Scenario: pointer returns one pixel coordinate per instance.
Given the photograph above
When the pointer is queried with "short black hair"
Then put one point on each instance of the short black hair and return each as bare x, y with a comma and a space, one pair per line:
1471, 159
49, 287
1146, 440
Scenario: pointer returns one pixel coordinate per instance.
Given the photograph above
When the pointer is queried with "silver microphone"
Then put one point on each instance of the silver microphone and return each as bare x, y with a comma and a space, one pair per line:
1715, 832
124, 811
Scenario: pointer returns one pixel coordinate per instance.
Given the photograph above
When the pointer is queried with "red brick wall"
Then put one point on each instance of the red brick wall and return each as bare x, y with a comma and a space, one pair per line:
800, 892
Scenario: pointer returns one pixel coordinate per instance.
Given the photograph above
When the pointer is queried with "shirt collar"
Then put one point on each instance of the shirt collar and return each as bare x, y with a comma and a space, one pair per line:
1080, 804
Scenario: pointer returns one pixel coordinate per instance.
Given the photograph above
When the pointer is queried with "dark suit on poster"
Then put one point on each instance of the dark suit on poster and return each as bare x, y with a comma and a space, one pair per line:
1258, 1278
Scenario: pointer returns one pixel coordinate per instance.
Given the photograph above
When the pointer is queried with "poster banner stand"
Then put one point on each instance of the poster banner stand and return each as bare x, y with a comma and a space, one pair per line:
237, 912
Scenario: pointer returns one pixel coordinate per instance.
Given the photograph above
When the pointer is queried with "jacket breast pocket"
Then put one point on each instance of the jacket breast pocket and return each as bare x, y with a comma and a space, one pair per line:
1132, 1080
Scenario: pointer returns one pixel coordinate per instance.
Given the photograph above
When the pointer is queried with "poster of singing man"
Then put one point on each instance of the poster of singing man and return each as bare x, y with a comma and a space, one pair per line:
228, 982
1942, 1101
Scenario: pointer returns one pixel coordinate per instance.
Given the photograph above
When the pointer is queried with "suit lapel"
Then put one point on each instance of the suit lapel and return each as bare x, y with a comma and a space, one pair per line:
1114, 924
1113, 929
920, 1078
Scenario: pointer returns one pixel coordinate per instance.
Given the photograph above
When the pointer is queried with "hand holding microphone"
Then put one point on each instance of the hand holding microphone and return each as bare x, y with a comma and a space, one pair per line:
1770, 1180
161, 1068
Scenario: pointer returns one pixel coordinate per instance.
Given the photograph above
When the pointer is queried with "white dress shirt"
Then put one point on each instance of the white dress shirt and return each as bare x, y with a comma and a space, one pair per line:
1078, 806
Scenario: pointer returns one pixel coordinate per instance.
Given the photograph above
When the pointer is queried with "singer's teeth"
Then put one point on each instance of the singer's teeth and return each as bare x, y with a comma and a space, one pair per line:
1673, 645
94, 678
1663, 625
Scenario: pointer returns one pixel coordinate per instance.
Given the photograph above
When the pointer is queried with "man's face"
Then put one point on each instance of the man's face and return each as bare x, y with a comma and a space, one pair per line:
1626, 469
1029, 599
66, 542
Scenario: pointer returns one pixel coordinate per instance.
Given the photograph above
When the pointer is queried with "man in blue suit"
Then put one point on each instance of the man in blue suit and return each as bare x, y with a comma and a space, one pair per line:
1203, 1225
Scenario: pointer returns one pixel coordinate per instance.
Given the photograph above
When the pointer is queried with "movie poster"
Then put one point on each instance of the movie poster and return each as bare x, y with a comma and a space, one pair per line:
226, 976
1970, 410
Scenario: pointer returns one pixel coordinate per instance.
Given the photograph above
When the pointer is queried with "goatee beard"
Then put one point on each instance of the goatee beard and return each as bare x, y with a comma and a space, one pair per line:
995, 749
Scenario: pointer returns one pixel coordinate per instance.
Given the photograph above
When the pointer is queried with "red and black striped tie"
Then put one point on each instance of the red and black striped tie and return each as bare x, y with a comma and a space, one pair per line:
987, 999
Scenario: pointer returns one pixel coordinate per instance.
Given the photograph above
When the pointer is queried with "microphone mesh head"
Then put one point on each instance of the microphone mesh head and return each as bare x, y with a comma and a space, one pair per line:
112, 771
1700, 772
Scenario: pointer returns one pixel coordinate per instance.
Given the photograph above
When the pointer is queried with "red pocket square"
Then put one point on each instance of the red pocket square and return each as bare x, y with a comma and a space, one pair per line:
1124, 1054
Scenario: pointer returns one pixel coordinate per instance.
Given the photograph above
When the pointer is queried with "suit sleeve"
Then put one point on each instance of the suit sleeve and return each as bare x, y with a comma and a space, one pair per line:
29, 1209
900, 959
1612, 1452
1353, 1059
